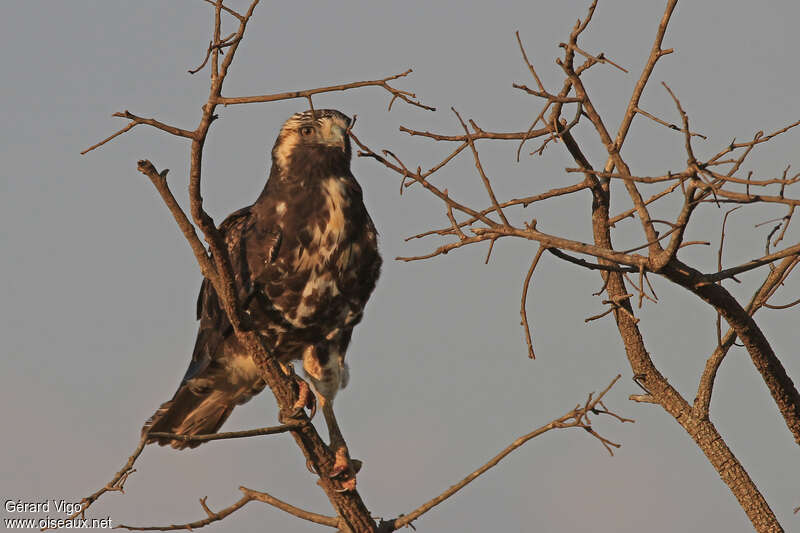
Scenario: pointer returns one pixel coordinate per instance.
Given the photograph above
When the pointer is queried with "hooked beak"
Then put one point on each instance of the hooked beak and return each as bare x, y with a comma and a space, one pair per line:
334, 135
337, 136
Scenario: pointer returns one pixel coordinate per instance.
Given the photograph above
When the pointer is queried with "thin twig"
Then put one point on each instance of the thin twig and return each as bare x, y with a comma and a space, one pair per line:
117, 483
586, 264
291, 509
667, 124
224, 43
210, 519
159, 180
524, 202
759, 139
599, 58
110, 137
705, 388
477, 135
576, 417
135, 121
227, 10
719, 267
625, 214
487, 184
522, 311
249, 496
226, 435
383, 82
750, 265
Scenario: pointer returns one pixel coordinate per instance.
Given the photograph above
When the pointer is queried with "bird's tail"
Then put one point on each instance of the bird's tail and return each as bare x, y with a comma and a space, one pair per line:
210, 390
189, 413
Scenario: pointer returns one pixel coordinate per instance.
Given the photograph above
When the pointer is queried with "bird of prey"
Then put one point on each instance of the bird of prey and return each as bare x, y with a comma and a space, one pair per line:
305, 261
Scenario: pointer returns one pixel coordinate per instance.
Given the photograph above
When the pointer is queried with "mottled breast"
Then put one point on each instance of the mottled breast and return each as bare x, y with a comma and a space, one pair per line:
328, 262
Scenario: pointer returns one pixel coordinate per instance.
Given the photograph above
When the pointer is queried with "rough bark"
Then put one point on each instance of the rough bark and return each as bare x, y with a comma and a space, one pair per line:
780, 385
703, 432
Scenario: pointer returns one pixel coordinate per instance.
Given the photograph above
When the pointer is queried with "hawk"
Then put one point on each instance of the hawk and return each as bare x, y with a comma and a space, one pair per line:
305, 261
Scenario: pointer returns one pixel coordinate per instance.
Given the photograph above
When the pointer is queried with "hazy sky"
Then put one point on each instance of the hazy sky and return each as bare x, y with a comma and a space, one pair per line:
99, 286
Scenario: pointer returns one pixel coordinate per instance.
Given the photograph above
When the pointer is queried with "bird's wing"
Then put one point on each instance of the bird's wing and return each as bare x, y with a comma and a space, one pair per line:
219, 375
214, 323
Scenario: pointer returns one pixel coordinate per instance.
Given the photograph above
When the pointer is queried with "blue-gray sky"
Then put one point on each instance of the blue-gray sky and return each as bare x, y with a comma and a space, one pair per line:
98, 285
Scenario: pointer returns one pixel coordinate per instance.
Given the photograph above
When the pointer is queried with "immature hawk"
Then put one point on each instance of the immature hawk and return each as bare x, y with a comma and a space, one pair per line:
305, 259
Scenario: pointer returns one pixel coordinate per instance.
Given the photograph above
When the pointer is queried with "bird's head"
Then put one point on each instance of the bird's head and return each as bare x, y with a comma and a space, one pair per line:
308, 136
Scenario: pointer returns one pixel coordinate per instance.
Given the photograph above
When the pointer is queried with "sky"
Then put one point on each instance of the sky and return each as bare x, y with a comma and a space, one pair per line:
99, 286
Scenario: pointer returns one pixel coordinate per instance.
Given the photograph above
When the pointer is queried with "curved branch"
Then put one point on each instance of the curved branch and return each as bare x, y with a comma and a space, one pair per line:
656, 52
487, 184
383, 82
522, 311
759, 139
249, 496
586, 264
135, 121
552, 241
291, 509
524, 202
117, 483
226, 9
481, 134
159, 180
774, 374
705, 388
273, 430
577, 417
750, 265
210, 519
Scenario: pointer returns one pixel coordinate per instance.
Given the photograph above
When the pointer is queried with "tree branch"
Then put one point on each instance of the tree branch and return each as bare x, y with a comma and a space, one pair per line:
117, 483
774, 374
478, 165
705, 388
159, 180
273, 430
210, 519
523, 313
291, 509
383, 82
577, 417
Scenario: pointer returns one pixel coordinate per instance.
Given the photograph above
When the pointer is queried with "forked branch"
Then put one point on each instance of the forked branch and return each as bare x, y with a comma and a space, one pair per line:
408, 97
249, 496
578, 417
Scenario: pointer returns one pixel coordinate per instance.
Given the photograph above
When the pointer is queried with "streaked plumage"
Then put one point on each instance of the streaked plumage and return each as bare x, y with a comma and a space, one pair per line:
307, 250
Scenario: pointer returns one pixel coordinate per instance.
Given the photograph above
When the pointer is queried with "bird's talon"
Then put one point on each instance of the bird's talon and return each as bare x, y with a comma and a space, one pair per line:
288, 369
291, 417
347, 486
305, 399
345, 479
337, 471
343, 466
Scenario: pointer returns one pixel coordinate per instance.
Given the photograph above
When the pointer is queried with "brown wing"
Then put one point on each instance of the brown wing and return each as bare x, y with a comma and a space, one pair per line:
220, 374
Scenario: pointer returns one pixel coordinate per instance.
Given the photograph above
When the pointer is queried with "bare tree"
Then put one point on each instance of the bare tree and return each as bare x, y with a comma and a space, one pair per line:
714, 181
699, 183
214, 262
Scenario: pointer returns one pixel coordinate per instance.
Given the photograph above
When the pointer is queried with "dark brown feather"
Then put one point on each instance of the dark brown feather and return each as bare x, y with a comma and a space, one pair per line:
305, 261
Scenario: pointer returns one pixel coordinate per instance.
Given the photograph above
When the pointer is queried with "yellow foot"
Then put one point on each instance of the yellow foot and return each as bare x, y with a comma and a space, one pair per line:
305, 398
344, 470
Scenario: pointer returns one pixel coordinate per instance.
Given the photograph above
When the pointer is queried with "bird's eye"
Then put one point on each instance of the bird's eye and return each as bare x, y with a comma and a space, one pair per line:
305, 131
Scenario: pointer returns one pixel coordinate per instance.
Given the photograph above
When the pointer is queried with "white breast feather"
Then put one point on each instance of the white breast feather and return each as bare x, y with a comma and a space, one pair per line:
335, 202
321, 282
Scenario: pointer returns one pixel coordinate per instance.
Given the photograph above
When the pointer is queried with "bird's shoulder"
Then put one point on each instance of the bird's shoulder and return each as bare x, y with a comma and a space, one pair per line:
253, 243
231, 233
